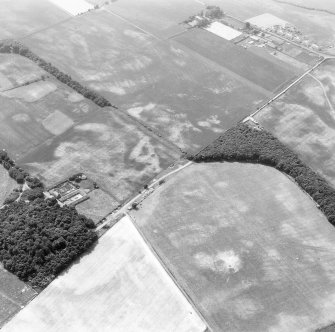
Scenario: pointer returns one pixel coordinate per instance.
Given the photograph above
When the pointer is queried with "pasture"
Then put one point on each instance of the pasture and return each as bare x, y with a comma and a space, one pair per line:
304, 119
97, 206
22, 17
248, 246
14, 295
7, 184
186, 98
122, 287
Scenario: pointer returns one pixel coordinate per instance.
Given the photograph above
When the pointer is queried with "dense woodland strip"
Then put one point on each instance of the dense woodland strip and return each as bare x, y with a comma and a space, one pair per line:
39, 238
17, 48
250, 144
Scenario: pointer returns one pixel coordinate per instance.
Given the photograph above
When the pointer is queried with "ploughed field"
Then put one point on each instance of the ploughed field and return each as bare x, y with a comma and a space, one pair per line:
250, 248
120, 285
304, 119
181, 94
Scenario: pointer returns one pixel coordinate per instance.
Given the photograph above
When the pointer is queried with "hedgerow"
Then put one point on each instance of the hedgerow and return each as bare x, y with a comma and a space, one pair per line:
15, 47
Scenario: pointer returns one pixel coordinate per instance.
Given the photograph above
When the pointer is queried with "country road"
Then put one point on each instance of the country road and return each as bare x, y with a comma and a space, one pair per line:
124, 208
285, 90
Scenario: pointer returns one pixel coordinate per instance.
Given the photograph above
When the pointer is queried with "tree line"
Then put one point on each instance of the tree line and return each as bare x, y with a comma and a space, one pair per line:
17, 173
247, 144
18, 48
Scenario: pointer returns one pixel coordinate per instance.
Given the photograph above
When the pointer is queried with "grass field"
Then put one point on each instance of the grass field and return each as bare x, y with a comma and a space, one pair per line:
122, 288
251, 249
21, 17
185, 97
97, 206
7, 184
304, 119
14, 294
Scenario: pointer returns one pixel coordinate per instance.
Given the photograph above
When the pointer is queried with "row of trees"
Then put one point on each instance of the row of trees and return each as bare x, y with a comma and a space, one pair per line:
40, 239
244, 143
17, 173
17, 48
205, 18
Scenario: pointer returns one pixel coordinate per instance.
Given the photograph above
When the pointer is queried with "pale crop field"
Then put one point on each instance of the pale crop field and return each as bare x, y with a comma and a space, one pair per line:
266, 21
73, 7
304, 119
119, 286
223, 31
251, 249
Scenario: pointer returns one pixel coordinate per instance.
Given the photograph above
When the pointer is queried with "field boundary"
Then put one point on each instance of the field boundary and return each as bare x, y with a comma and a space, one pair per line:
300, 78
171, 274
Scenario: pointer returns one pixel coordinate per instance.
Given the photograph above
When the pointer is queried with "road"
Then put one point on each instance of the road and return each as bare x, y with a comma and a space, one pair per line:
286, 89
124, 208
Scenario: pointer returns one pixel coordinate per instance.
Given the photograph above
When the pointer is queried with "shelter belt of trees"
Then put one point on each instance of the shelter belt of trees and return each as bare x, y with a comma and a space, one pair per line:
17, 48
246, 144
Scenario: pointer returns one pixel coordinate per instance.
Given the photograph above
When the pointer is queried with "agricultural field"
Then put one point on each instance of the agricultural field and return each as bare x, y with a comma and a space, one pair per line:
160, 18
97, 206
22, 17
186, 98
122, 285
7, 184
248, 246
14, 295
109, 148
35, 107
304, 119
254, 69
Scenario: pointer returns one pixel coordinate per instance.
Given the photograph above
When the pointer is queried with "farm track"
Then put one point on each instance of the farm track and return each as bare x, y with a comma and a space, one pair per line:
324, 91
22, 85
285, 90
132, 24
